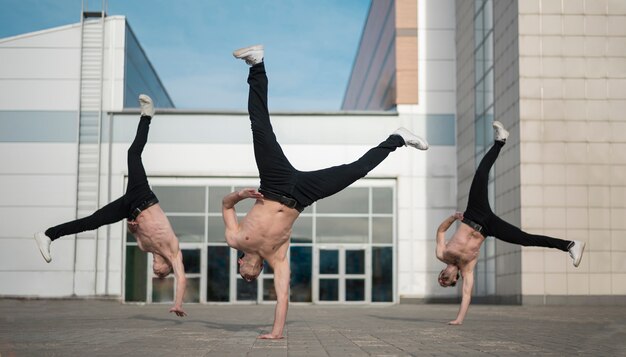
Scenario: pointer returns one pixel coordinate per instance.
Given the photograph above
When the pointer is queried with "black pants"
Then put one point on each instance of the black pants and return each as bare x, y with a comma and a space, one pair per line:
479, 211
137, 192
279, 176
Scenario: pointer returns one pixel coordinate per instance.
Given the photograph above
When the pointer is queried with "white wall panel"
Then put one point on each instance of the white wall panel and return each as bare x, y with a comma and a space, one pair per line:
38, 94
23, 222
39, 63
58, 37
37, 190
37, 158
36, 283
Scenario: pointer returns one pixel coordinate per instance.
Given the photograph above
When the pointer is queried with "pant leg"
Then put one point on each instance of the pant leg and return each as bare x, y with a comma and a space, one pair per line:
315, 185
111, 213
275, 171
478, 201
507, 232
136, 172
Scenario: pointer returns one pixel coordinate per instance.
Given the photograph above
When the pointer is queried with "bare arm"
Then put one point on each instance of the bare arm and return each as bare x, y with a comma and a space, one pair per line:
181, 283
441, 234
281, 285
468, 286
228, 210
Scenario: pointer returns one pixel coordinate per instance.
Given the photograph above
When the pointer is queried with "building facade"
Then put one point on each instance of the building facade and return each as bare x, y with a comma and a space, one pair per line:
553, 73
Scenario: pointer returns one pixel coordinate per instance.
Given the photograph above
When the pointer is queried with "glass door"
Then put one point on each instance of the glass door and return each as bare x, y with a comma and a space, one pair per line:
341, 274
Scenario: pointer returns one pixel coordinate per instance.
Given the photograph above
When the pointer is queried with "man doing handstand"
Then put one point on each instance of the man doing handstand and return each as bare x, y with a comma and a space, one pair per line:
146, 219
284, 192
460, 253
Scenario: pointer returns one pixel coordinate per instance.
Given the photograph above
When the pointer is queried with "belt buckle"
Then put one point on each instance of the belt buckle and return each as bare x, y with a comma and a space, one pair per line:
136, 212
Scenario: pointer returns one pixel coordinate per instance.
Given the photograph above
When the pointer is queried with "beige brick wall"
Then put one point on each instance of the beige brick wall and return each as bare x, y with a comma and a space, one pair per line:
572, 142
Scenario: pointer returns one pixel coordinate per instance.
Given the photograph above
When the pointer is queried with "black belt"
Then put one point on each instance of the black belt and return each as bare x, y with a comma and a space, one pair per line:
143, 206
477, 227
287, 201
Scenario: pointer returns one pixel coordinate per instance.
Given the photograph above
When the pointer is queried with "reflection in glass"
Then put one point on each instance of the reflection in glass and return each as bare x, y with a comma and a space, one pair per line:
246, 291
188, 229
382, 274
355, 262
302, 230
216, 194
181, 199
191, 260
218, 273
192, 290
215, 230
355, 289
382, 200
267, 268
382, 230
136, 274
301, 269
342, 230
329, 261
350, 200
163, 289
269, 293
329, 289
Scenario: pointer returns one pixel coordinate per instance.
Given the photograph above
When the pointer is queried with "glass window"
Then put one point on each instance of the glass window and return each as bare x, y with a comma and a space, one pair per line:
301, 269
269, 293
382, 274
183, 199
192, 290
342, 230
355, 289
216, 194
350, 200
382, 200
191, 260
355, 261
216, 229
329, 261
218, 273
163, 289
188, 229
136, 274
329, 289
382, 230
302, 230
246, 291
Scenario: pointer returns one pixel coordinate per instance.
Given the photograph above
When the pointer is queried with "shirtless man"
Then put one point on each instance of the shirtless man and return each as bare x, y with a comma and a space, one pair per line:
460, 253
265, 231
146, 219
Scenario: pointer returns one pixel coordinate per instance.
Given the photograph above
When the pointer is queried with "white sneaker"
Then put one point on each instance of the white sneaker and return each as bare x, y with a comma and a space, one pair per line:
411, 139
147, 108
576, 251
252, 55
500, 133
43, 242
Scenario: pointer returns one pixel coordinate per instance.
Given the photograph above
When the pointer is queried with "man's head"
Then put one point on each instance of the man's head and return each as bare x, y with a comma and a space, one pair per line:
160, 266
250, 266
448, 276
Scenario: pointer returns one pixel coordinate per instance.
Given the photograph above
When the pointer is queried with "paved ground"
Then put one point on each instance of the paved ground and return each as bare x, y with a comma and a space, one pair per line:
108, 328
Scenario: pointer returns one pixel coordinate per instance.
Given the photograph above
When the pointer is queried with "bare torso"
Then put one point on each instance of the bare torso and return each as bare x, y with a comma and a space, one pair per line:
464, 246
154, 233
266, 228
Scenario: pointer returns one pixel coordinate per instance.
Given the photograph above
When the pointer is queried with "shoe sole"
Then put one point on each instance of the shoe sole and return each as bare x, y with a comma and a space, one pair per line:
42, 250
240, 53
580, 257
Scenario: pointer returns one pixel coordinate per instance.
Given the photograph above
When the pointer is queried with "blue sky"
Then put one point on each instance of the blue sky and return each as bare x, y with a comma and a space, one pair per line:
310, 45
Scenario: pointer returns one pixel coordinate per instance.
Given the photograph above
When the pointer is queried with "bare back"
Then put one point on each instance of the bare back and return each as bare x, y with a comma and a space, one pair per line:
265, 228
464, 246
154, 233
